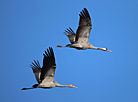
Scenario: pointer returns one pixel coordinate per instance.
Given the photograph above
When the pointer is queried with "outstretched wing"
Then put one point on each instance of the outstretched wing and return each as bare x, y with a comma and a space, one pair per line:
36, 69
85, 26
49, 66
71, 35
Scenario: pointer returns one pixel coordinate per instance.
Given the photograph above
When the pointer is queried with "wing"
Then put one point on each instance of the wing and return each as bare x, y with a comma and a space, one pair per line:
49, 66
37, 70
85, 26
71, 35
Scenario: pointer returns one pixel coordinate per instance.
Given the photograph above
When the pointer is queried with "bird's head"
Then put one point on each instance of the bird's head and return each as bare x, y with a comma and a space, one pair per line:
72, 86
105, 49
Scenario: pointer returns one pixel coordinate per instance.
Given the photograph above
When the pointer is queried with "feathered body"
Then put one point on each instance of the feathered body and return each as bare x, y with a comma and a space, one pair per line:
45, 75
80, 40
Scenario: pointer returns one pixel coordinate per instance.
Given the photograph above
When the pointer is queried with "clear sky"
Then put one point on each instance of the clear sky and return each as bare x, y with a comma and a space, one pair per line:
28, 27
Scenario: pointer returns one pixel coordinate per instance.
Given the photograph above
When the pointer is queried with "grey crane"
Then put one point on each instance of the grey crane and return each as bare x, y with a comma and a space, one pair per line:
80, 40
45, 75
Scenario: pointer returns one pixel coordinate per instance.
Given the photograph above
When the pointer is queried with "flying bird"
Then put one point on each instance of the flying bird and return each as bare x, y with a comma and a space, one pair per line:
45, 75
80, 40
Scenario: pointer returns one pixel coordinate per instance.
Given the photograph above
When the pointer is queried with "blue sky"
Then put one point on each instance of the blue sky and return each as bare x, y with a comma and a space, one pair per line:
28, 27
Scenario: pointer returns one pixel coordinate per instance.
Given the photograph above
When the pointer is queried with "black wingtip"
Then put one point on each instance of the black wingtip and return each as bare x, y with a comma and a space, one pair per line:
85, 9
49, 52
69, 31
50, 49
84, 13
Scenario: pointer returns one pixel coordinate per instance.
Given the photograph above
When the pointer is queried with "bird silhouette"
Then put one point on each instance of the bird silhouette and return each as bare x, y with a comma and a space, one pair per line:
80, 40
45, 75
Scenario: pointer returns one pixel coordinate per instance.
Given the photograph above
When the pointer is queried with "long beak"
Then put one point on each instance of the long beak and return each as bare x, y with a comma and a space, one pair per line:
109, 50
75, 87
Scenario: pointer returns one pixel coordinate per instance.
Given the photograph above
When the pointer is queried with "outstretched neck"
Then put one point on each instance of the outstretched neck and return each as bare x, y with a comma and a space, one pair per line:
103, 49
97, 48
93, 47
71, 86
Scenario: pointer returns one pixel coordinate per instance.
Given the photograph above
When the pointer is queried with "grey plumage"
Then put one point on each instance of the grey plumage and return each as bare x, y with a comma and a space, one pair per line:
45, 75
80, 40
36, 70
71, 35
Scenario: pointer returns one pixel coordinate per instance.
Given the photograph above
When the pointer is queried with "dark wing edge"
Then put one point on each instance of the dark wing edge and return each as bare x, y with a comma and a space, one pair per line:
85, 18
35, 64
70, 34
48, 64
36, 70
69, 31
85, 25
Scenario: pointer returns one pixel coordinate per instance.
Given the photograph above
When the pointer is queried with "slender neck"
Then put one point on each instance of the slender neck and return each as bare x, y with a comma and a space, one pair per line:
100, 48
58, 85
96, 48
93, 47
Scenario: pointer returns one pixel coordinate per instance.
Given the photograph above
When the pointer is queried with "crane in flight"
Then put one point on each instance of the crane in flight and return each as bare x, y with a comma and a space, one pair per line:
80, 40
45, 75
